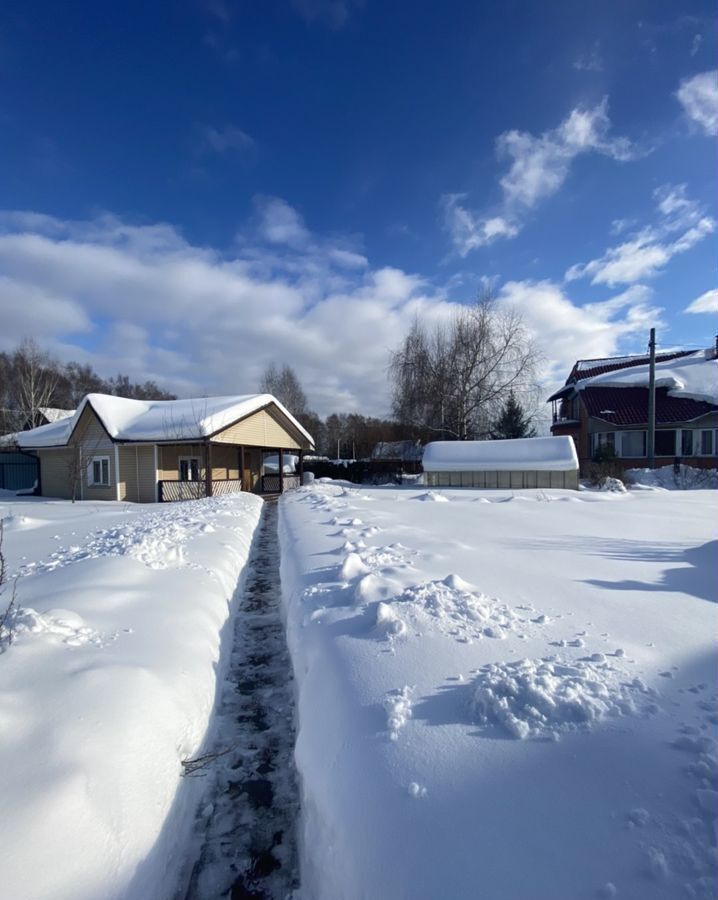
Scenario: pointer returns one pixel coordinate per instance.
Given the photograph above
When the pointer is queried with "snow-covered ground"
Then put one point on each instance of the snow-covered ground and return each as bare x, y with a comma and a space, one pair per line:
504, 695
108, 685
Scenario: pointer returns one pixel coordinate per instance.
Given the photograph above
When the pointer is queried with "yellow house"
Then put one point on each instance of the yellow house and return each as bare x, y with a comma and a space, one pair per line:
146, 451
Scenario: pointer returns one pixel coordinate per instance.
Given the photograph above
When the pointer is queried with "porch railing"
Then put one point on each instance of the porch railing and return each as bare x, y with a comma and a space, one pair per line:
171, 490
271, 483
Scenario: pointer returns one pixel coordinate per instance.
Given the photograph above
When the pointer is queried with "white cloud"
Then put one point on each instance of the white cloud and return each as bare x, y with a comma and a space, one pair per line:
591, 61
699, 98
682, 223
541, 164
229, 138
280, 223
567, 332
706, 303
538, 168
334, 13
143, 300
467, 230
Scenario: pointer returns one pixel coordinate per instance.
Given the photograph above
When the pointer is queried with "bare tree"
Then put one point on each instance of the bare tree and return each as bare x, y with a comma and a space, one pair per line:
453, 379
284, 385
36, 378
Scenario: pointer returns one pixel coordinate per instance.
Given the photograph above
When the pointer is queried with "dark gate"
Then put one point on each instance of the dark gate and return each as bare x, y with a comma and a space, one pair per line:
18, 471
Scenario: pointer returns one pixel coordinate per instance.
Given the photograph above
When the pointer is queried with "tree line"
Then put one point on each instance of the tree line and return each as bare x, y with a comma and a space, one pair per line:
31, 380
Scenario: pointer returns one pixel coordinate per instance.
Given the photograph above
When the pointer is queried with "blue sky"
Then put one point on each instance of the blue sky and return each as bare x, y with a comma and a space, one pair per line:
191, 190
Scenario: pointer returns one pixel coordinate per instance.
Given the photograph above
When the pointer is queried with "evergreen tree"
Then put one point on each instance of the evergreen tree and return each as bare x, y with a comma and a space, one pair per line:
512, 421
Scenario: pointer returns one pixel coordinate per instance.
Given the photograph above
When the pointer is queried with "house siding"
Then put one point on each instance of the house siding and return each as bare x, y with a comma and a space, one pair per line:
261, 429
225, 462
168, 458
55, 473
138, 482
95, 441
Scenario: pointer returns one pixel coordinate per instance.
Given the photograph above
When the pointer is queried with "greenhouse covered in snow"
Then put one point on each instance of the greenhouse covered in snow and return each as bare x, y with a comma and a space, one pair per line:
547, 462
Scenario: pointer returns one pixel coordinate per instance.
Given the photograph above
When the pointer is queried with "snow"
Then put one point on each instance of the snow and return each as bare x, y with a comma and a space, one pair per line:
694, 377
534, 454
483, 700
685, 479
54, 414
108, 684
156, 420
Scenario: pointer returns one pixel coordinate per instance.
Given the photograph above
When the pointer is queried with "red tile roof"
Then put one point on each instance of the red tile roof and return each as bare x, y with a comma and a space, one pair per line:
629, 406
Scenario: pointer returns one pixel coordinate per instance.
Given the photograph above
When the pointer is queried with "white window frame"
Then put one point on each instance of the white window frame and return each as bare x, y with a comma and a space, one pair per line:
102, 460
189, 460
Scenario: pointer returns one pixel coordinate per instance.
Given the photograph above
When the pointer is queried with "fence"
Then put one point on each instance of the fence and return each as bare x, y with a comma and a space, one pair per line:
18, 471
172, 490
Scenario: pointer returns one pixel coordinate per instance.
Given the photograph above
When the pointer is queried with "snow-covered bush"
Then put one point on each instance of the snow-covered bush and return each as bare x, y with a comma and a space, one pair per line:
615, 485
684, 478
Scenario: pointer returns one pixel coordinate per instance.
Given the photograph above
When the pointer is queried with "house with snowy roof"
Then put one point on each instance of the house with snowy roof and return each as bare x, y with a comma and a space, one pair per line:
604, 403
113, 448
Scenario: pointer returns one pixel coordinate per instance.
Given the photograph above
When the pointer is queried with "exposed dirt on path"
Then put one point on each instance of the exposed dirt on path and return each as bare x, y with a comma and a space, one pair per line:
248, 821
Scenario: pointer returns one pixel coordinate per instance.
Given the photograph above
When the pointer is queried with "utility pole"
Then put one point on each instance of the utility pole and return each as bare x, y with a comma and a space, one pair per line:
651, 448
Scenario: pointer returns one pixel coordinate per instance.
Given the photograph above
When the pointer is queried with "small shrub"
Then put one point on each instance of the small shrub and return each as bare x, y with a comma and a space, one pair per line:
604, 465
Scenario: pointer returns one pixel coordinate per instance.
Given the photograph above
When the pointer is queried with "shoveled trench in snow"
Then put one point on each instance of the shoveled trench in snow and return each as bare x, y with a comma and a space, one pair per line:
246, 827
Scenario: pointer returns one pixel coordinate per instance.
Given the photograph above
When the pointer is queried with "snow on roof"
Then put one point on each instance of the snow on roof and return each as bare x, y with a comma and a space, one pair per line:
157, 420
53, 414
526, 454
693, 377
55, 434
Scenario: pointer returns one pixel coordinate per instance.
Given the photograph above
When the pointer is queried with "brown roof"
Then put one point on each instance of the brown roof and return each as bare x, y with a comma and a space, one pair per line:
629, 406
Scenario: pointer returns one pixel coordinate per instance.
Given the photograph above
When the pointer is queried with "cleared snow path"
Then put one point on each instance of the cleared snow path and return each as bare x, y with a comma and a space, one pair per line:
247, 827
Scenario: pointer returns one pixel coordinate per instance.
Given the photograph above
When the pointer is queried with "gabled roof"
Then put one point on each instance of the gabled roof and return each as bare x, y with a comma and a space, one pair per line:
689, 374
629, 406
158, 420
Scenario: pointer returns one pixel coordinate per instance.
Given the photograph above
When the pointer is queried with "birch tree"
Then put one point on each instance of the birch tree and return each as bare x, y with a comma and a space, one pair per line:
451, 380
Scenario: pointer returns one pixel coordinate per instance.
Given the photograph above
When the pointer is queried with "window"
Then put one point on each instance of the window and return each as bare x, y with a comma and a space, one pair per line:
665, 442
686, 442
99, 471
707, 443
633, 443
603, 439
188, 468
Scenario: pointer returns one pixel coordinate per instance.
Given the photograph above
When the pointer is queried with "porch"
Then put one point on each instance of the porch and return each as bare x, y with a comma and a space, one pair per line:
194, 471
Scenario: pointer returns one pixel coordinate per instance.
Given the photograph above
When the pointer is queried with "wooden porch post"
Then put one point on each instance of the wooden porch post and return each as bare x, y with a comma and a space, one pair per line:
208, 469
281, 470
301, 468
